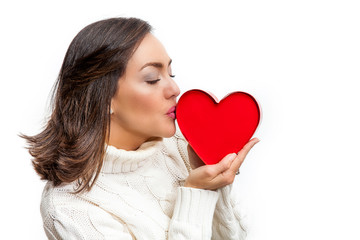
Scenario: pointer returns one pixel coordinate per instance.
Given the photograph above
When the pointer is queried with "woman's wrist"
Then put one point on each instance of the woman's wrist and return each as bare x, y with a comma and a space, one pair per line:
187, 184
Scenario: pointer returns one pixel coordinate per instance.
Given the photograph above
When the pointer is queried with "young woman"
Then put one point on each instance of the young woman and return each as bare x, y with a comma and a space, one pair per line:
116, 165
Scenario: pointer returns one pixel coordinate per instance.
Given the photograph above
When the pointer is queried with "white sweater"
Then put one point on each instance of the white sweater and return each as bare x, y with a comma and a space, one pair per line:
140, 195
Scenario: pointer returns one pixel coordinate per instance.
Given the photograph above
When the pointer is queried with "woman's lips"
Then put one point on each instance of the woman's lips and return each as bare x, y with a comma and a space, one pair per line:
172, 112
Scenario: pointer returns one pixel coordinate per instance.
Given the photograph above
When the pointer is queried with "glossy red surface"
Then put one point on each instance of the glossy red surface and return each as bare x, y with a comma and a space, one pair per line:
216, 129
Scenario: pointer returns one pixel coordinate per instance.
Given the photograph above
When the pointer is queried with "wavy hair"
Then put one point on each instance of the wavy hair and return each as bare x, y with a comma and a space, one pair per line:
71, 147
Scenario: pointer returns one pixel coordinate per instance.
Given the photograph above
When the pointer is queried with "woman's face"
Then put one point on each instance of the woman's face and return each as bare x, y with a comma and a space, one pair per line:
146, 93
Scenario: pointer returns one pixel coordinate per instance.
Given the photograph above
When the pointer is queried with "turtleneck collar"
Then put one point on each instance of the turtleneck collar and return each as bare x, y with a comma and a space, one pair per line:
120, 160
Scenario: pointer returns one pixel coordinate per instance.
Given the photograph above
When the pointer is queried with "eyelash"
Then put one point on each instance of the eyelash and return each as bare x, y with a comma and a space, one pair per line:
155, 81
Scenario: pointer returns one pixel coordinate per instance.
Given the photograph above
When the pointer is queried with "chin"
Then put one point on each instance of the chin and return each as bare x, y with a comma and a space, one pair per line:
169, 131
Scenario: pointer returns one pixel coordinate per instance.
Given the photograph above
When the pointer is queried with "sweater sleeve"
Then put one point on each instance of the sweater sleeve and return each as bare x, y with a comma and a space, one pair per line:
227, 222
193, 214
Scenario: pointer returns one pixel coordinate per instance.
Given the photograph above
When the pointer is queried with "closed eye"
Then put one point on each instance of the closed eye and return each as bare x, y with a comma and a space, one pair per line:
155, 81
152, 82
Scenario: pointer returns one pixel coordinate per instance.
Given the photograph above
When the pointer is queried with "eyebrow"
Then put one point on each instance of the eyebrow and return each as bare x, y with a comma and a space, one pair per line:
155, 64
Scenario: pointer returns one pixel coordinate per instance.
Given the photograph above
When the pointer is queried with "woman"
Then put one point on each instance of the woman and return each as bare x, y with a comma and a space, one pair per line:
116, 166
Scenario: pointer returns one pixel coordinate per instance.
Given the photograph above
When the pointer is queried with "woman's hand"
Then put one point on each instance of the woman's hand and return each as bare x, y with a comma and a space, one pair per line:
212, 177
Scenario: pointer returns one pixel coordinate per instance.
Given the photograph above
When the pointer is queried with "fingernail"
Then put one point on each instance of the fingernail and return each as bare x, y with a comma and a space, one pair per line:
232, 156
229, 159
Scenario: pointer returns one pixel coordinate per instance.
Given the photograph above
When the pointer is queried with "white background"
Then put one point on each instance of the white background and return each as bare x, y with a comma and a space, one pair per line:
300, 59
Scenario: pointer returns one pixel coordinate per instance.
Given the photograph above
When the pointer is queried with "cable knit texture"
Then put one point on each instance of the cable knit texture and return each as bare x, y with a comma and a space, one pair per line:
140, 195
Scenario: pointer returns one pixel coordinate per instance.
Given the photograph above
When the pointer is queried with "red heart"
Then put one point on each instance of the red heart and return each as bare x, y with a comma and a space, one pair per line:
216, 129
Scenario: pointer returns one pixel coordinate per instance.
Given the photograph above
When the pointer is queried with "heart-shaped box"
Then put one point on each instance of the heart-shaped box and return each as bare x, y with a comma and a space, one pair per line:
215, 129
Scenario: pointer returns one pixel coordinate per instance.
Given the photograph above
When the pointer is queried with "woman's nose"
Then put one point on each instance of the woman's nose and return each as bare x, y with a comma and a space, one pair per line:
172, 89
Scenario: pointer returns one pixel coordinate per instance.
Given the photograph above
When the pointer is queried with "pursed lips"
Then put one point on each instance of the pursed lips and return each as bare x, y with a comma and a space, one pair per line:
172, 112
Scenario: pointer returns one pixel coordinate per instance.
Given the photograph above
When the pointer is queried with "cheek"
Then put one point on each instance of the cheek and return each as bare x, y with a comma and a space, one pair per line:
141, 104
145, 104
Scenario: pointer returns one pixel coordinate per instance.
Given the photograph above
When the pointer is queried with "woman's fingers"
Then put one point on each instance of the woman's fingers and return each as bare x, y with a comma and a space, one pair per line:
223, 179
203, 177
221, 174
227, 177
223, 165
244, 151
242, 154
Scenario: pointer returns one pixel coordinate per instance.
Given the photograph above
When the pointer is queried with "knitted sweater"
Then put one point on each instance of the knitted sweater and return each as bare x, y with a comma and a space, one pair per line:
140, 195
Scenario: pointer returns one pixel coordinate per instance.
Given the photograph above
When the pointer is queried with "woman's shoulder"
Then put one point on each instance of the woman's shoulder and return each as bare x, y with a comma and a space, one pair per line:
55, 196
57, 199
57, 206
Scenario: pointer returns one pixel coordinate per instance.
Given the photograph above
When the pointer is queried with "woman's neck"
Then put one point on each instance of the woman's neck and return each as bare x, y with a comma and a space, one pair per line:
123, 139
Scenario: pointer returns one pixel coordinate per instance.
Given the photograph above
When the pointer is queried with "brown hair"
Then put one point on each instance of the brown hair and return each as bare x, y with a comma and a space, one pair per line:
72, 145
